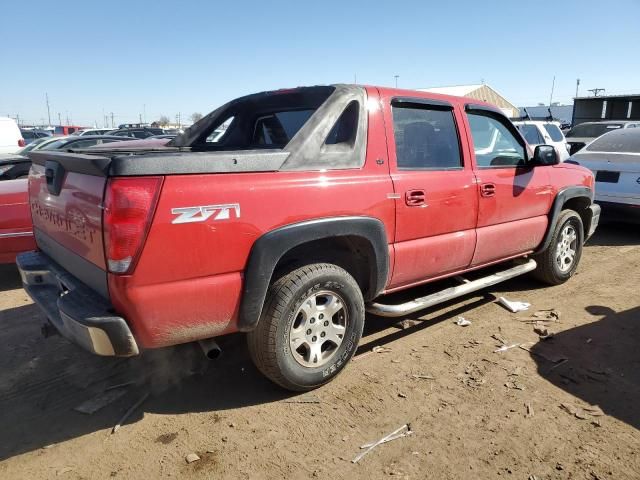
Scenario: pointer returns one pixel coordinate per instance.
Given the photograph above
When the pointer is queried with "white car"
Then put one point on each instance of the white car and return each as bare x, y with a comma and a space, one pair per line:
10, 137
614, 158
537, 132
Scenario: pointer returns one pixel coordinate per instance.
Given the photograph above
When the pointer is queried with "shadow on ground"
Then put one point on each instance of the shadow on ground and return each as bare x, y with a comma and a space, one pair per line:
41, 381
615, 234
603, 364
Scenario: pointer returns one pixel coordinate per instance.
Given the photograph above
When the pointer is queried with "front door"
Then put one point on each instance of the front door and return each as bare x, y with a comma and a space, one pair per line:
515, 197
435, 190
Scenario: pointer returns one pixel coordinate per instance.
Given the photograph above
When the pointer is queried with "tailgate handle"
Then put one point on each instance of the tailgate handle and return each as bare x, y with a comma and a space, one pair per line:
54, 172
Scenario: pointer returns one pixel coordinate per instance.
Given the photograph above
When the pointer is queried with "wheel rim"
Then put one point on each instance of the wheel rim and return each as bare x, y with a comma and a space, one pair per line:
566, 248
318, 329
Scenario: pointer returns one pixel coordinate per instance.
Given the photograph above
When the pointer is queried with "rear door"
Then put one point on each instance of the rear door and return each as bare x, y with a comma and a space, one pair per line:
435, 191
514, 197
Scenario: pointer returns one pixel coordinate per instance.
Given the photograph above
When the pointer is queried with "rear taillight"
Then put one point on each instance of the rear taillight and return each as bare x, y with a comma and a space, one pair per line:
21, 142
128, 209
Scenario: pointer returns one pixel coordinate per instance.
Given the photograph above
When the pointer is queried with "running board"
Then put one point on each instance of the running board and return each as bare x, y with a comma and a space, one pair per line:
449, 293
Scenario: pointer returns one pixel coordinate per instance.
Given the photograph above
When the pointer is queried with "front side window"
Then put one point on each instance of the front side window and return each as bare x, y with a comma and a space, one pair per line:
493, 143
426, 138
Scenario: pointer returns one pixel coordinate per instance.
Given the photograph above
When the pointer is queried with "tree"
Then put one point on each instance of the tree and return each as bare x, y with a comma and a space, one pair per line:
164, 120
196, 116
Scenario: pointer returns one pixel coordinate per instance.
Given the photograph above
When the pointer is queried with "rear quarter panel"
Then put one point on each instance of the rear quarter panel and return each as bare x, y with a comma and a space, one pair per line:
15, 220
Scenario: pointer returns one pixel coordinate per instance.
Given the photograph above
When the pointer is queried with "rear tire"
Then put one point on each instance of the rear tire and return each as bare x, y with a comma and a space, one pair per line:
310, 326
559, 261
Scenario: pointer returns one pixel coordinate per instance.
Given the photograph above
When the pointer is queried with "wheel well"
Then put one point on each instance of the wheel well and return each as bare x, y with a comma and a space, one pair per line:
353, 253
581, 206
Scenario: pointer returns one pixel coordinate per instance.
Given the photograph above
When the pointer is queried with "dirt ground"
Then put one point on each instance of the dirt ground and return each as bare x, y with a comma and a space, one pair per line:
473, 412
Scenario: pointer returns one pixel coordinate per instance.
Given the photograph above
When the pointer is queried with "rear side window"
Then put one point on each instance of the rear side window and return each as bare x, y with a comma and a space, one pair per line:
345, 129
494, 145
554, 132
279, 128
426, 138
531, 134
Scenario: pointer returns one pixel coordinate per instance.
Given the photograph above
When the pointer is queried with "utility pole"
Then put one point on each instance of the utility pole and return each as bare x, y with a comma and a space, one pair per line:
596, 91
46, 95
140, 116
553, 84
577, 85
59, 119
144, 112
18, 119
396, 77
112, 124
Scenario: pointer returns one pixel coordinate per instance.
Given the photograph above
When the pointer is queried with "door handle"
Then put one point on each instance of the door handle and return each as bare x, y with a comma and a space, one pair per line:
414, 198
488, 189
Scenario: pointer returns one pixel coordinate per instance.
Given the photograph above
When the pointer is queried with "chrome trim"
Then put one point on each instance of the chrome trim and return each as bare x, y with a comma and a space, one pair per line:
449, 293
19, 234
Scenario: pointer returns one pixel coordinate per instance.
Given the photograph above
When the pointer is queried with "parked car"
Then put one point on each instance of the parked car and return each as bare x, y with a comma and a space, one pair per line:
537, 132
78, 142
32, 134
614, 158
314, 203
94, 131
66, 130
586, 132
16, 232
141, 133
10, 136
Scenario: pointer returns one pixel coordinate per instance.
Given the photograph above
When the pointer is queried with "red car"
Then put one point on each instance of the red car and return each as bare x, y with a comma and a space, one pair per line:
311, 204
16, 233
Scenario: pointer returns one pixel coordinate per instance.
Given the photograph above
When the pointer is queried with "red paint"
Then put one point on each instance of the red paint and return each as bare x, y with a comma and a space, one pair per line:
15, 220
187, 282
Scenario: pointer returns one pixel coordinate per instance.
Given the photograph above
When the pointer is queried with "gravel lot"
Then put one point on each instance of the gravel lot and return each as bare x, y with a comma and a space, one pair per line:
482, 414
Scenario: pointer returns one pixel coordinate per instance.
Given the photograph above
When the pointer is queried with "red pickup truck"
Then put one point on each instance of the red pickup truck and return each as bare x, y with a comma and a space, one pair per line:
287, 214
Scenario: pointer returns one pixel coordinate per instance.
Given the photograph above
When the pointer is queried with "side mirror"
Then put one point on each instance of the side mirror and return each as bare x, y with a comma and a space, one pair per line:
545, 155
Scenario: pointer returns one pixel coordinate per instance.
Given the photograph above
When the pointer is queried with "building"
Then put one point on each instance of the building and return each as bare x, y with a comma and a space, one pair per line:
606, 107
478, 92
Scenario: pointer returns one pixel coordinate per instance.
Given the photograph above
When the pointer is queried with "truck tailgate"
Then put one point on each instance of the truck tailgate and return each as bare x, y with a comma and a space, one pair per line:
66, 196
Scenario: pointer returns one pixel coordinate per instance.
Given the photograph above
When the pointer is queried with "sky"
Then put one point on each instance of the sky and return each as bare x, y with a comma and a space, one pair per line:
154, 58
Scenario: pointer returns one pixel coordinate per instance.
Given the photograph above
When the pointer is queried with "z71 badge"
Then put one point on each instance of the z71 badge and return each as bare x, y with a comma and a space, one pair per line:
202, 213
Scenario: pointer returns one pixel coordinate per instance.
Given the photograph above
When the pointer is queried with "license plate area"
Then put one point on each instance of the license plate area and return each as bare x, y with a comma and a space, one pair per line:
607, 177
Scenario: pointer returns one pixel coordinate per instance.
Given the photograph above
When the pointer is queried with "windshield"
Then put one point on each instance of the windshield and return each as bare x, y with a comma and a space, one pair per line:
620, 141
592, 130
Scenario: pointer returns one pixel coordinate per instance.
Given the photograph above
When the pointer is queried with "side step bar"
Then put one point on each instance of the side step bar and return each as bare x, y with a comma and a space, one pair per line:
449, 293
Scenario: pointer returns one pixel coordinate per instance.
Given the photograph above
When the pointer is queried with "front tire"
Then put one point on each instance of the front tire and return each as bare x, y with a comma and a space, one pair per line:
559, 261
310, 326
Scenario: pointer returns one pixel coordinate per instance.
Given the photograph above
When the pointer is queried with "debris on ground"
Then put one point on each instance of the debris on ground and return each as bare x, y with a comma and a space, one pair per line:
91, 406
380, 349
192, 457
472, 344
474, 376
541, 352
309, 398
402, 395
514, 386
128, 413
422, 376
405, 324
581, 412
542, 331
513, 306
547, 315
530, 413
403, 431
504, 348
499, 338
462, 322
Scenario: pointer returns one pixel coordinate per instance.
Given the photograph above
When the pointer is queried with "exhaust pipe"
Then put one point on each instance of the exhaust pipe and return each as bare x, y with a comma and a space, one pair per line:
210, 348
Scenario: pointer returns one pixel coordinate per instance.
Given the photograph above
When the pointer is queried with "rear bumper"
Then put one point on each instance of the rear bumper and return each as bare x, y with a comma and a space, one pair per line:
76, 311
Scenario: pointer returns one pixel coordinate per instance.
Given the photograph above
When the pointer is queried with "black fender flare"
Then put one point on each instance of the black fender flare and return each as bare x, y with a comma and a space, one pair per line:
561, 198
272, 246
